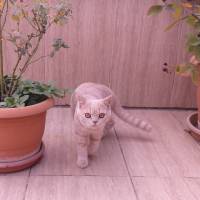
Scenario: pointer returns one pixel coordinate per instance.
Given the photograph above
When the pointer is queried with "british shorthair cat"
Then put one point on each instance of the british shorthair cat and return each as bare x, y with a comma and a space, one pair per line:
92, 106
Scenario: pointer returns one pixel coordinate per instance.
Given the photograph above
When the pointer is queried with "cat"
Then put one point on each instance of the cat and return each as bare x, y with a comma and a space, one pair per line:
92, 106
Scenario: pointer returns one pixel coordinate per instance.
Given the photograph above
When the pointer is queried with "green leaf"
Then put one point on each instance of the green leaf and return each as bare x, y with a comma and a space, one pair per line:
197, 43
193, 45
154, 10
31, 92
2, 104
59, 93
184, 70
192, 21
177, 10
191, 70
70, 90
10, 102
24, 98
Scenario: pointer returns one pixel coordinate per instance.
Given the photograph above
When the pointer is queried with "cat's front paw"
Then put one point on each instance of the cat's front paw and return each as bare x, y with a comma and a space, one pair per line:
148, 128
82, 163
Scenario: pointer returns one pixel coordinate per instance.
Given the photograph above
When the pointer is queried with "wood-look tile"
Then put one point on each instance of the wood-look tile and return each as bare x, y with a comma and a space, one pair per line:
24, 172
60, 154
166, 151
162, 188
12, 187
181, 115
144, 153
76, 188
194, 185
164, 164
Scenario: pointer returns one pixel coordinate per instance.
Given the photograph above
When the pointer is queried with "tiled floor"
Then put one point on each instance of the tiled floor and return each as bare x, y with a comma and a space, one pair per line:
130, 165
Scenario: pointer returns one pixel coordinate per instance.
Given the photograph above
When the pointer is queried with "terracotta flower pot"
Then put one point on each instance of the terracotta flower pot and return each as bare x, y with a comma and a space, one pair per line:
193, 120
193, 126
21, 131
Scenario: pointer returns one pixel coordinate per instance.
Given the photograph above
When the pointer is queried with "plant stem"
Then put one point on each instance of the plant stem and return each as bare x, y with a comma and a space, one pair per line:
14, 80
6, 13
13, 75
23, 69
36, 60
27, 19
31, 55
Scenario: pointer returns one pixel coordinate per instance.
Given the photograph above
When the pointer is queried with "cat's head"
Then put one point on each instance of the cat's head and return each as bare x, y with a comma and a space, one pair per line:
93, 113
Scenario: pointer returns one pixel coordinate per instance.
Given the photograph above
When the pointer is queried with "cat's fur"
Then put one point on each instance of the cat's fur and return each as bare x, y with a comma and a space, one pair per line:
92, 106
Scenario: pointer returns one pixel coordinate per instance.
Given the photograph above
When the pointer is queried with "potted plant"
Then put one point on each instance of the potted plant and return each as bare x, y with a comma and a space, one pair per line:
23, 103
188, 12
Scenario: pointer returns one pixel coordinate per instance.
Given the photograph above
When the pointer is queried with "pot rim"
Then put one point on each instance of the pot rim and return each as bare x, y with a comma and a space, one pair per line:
190, 125
27, 110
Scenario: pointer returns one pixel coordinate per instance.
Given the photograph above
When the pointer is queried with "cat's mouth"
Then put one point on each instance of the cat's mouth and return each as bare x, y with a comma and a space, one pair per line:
94, 126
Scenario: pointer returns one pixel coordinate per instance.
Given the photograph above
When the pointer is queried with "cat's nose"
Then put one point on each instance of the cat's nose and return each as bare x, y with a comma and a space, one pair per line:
95, 121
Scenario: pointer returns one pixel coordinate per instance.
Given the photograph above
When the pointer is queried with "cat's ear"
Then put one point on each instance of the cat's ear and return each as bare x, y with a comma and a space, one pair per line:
81, 100
108, 100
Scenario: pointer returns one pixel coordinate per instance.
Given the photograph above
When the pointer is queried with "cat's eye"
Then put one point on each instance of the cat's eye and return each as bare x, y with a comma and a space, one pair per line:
87, 115
101, 115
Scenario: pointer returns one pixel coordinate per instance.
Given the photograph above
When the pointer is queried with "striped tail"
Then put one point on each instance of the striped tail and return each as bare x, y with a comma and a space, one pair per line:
125, 116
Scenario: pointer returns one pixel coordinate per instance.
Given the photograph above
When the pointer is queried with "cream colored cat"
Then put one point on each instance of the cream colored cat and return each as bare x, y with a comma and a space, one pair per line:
92, 106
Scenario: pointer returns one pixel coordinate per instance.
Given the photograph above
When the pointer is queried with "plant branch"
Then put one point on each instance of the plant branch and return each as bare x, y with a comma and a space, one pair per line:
26, 47
49, 25
35, 20
4, 4
13, 79
36, 60
1, 49
27, 19
6, 14
13, 75
175, 22
30, 56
